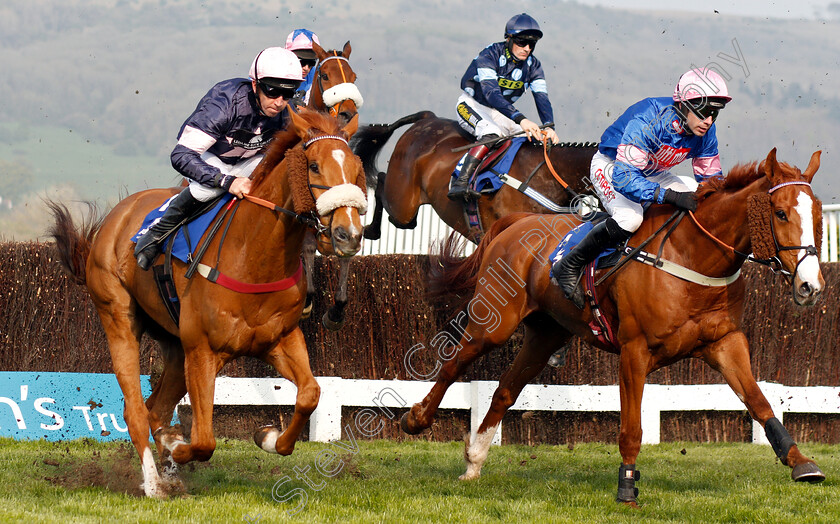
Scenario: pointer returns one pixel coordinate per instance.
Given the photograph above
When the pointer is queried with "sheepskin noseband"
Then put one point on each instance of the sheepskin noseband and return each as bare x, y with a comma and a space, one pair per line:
341, 92
343, 195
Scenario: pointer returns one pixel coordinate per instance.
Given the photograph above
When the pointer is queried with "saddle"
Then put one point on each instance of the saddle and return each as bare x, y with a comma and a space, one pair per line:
600, 325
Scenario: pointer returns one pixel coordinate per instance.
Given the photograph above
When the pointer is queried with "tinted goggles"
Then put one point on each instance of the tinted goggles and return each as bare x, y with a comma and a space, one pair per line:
306, 62
524, 41
704, 110
276, 92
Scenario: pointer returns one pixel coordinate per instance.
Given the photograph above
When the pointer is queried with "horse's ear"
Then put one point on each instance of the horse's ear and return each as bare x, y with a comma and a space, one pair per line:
352, 126
299, 125
813, 165
319, 51
771, 167
346, 51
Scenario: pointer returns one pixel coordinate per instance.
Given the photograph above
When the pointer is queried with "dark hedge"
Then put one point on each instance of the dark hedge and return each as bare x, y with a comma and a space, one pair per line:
47, 323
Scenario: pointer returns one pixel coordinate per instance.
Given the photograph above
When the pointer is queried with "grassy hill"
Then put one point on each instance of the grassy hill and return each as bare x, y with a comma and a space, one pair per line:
104, 85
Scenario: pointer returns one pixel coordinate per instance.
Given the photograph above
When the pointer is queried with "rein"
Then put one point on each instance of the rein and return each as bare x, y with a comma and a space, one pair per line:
774, 263
334, 109
309, 220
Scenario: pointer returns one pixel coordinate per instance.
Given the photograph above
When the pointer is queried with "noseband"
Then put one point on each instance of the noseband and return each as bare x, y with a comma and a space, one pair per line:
335, 96
773, 262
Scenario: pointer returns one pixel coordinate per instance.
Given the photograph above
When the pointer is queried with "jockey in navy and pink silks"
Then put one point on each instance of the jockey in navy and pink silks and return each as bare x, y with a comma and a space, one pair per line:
494, 80
631, 167
221, 142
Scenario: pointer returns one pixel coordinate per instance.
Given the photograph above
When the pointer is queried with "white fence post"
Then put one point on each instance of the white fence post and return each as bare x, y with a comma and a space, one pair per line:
325, 423
476, 396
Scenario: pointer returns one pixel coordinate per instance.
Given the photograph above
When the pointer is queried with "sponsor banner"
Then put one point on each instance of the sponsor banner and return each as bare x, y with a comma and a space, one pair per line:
63, 406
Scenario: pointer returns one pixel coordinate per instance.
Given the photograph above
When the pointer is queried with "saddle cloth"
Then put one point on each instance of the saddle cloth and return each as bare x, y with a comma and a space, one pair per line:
487, 181
607, 258
196, 228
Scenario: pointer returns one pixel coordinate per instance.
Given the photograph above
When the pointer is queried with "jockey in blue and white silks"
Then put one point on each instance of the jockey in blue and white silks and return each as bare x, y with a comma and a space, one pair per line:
300, 43
220, 143
631, 167
494, 80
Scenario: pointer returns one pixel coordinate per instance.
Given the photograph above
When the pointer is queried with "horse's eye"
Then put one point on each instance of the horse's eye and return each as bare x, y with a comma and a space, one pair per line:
324, 76
781, 214
313, 167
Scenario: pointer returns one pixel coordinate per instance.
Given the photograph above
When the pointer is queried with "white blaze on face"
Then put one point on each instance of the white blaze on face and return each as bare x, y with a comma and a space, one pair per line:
809, 269
339, 157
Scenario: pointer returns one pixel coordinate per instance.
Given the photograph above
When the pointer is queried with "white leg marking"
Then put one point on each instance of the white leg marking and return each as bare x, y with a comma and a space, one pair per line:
151, 480
477, 452
269, 443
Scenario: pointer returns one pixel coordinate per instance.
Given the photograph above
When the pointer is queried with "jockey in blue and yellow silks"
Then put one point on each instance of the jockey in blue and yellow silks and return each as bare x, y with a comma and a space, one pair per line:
494, 80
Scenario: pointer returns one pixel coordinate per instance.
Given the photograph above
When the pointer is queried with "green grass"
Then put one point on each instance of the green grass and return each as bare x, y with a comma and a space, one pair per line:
386, 481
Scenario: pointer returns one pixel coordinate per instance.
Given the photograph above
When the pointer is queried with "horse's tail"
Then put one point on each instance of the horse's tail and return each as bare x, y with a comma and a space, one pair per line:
73, 243
368, 141
450, 274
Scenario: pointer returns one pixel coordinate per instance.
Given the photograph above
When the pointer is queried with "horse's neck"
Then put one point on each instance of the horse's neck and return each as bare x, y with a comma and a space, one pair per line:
724, 216
270, 240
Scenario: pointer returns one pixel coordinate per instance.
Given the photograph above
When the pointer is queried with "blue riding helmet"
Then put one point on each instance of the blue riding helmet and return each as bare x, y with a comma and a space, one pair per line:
523, 25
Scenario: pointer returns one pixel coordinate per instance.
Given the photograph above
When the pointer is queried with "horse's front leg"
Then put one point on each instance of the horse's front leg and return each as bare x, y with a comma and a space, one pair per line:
201, 365
633, 368
291, 359
309, 246
333, 319
730, 355
373, 231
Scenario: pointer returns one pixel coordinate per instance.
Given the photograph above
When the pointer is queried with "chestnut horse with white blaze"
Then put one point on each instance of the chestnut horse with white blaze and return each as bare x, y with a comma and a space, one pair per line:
657, 318
318, 184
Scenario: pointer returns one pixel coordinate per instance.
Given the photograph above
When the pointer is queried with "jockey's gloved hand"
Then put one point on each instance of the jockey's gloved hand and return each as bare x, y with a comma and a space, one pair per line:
682, 199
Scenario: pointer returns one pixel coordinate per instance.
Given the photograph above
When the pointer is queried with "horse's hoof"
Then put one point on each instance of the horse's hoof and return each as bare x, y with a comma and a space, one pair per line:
331, 324
807, 472
404, 425
266, 438
307, 307
372, 234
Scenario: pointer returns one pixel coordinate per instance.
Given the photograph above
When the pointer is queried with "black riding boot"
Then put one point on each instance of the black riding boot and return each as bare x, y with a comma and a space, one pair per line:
148, 246
567, 270
461, 189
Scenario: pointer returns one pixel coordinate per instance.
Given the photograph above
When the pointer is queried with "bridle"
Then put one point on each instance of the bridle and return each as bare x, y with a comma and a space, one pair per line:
311, 218
353, 95
774, 262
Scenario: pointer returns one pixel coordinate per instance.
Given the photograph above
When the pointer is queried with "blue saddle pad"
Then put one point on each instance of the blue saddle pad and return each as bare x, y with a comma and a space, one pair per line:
180, 249
488, 181
572, 239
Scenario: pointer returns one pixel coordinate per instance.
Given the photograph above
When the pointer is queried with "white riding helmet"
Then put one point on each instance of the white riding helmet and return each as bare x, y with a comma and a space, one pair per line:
278, 67
701, 84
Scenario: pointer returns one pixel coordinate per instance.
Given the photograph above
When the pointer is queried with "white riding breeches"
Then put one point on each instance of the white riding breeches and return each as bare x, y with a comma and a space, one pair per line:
244, 168
490, 120
627, 214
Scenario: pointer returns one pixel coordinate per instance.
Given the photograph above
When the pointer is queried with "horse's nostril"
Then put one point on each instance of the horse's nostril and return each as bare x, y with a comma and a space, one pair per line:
340, 234
805, 289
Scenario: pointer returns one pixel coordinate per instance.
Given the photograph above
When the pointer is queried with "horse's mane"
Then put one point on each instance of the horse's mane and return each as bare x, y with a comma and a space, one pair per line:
287, 138
741, 175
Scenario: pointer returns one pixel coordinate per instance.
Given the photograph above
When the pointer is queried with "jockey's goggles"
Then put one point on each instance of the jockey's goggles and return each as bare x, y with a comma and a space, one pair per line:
704, 109
524, 41
276, 92
306, 62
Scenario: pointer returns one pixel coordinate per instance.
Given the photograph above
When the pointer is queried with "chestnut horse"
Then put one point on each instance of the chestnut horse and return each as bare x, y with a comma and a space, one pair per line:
333, 90
658, 319
421, 165
322, 181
